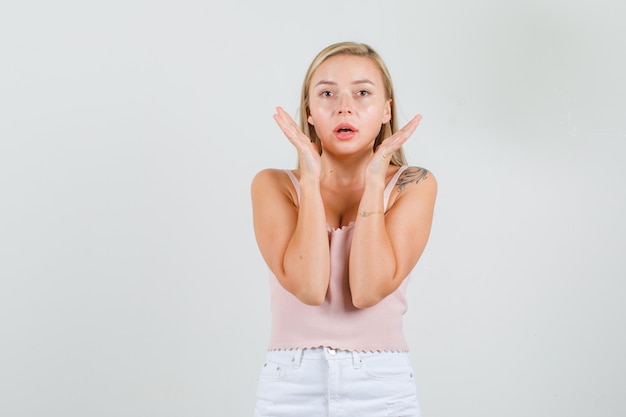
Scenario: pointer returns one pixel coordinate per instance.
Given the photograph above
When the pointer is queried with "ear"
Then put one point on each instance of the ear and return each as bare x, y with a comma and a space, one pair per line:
310, 120
387, 112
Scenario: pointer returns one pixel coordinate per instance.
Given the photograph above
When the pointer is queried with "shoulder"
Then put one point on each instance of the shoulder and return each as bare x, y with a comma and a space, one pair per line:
271, 176
272, 181
414, 176
268, 175
414, 186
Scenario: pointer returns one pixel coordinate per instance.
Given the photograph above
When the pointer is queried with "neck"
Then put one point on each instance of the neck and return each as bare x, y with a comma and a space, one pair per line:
344, 172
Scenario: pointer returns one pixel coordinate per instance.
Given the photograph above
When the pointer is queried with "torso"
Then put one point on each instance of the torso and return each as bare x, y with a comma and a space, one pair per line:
341, 206
342, 203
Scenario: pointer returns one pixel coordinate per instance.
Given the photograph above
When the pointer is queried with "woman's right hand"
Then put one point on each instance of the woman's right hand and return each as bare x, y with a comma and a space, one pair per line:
308, 153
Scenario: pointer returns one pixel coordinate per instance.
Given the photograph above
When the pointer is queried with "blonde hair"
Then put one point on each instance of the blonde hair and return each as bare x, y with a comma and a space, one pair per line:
357, 49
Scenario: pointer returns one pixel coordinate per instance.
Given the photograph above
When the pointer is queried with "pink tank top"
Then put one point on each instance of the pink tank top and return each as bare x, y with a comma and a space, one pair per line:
337, 323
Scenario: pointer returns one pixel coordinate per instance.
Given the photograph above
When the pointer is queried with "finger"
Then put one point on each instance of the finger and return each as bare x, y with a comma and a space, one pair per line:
281, 117
395, 142
410, 127
286, 123
291, 129
405, 133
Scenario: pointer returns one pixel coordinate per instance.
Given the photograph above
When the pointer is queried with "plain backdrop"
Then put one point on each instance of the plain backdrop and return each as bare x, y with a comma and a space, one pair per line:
130, 280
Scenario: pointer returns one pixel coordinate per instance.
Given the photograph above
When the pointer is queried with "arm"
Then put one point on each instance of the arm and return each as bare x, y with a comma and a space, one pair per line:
385, 248
292, 238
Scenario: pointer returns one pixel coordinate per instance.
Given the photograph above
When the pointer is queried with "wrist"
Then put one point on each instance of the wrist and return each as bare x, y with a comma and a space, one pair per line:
309, 181
366, 213
374, 185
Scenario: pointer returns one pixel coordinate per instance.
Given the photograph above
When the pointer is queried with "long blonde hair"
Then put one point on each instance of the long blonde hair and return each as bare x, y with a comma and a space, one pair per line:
357, 49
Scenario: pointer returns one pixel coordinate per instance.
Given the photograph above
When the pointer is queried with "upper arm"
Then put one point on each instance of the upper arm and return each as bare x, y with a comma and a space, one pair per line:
408, 220
274, 216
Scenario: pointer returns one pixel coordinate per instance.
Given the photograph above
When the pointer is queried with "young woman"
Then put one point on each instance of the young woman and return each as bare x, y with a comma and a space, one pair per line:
340, 234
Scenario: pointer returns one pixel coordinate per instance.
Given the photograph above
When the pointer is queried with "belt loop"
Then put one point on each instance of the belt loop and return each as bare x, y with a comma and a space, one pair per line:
356, 360
296, 360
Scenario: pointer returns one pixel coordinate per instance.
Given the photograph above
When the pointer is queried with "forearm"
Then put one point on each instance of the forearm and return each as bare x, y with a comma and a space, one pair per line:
372, 261
307, 259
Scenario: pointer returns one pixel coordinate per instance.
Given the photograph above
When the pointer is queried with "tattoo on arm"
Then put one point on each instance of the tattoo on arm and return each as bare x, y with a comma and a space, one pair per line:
411, 175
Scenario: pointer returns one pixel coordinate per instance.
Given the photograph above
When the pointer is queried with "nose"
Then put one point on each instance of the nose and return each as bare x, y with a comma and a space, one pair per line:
345, 105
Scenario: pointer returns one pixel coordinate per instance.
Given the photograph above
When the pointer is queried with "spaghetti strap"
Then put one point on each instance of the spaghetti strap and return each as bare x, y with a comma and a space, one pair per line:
392, 184
295, 182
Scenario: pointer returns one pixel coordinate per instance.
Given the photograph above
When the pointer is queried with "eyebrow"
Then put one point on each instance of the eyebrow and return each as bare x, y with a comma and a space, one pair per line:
355, 82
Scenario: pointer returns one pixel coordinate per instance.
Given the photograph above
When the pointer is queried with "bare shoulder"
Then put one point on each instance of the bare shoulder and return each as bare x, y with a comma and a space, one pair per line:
414, 177
271, 182
415, 186
267, 175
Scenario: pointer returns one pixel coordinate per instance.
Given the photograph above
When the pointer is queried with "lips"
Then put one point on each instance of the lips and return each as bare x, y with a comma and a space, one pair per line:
345, 131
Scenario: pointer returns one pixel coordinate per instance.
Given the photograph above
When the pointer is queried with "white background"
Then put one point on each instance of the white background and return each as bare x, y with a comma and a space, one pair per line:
130, 281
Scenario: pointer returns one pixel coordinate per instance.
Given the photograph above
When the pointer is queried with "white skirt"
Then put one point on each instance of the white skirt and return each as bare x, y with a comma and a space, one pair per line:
328, 382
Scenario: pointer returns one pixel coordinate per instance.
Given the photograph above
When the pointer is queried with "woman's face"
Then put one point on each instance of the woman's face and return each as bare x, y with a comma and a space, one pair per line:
347, 103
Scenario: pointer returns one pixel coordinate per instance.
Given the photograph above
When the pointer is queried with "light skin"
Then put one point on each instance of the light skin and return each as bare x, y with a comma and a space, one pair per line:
343, 187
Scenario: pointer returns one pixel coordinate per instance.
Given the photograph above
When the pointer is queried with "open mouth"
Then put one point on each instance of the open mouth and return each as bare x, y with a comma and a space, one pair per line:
345, 128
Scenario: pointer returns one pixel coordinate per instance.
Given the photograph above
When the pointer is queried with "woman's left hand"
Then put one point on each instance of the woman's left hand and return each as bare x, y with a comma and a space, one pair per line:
377, 167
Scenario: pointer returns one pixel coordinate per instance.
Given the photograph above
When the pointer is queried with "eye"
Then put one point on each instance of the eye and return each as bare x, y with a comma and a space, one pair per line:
362, 93
326, 93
